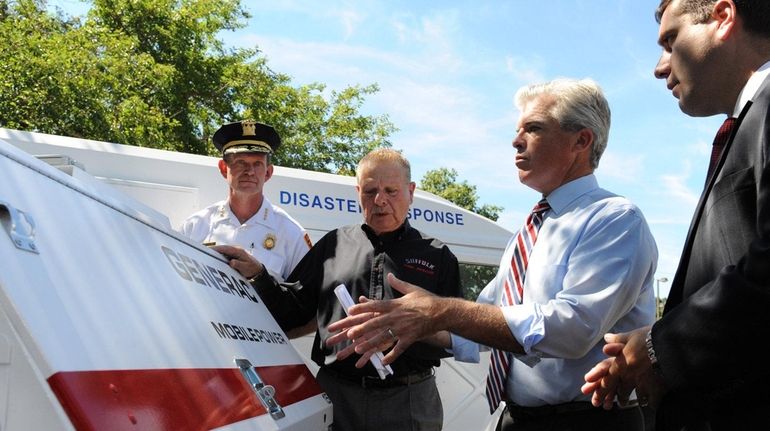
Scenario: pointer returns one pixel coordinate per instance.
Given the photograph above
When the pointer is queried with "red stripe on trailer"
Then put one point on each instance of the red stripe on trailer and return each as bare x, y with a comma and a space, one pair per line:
173, 399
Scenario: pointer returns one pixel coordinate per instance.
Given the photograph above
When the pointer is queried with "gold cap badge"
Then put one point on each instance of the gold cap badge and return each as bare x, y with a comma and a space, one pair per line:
249, 128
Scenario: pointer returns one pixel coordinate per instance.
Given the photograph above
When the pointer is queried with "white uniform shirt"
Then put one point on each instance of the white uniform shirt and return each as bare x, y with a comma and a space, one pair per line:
590, 272
271, 235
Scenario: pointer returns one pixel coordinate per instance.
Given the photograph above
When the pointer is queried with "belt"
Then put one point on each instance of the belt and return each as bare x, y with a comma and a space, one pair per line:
521, 412
376, 382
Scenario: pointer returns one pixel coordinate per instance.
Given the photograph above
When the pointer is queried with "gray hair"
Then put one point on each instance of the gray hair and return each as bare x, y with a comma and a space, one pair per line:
228, 158
578, 104
385, 155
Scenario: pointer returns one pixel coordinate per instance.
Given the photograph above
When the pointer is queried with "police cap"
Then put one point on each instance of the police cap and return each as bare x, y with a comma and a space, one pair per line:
246, 136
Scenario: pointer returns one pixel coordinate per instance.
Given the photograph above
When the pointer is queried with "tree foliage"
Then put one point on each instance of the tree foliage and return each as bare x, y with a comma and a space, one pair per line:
153, 73
443, 182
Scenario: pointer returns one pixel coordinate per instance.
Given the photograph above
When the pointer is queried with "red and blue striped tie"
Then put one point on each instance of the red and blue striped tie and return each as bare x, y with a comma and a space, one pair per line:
513, 293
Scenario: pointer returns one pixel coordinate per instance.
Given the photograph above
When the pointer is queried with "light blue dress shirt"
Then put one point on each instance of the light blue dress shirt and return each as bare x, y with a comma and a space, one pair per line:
590, 272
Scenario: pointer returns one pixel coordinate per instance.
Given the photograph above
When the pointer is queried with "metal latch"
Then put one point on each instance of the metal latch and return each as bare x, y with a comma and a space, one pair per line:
265, 393
20, 227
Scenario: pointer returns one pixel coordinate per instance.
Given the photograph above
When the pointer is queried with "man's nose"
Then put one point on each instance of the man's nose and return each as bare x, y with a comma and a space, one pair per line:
663, 68
518, 141
380, 199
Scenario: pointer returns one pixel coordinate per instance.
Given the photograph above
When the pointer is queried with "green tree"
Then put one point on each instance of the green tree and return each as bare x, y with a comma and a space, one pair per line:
443, 182
154, 73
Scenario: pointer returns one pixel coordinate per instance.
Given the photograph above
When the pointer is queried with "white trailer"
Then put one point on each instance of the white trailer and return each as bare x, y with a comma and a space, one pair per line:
168, 186
111, 321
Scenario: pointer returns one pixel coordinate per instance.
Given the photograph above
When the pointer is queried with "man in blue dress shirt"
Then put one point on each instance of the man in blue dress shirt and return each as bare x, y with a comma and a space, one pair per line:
590, 271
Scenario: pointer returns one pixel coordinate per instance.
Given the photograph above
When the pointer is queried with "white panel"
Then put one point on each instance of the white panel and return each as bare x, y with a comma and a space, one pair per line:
108, 287
176, 202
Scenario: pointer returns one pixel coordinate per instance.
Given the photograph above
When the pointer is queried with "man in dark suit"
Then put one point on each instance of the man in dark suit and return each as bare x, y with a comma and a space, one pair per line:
701, 363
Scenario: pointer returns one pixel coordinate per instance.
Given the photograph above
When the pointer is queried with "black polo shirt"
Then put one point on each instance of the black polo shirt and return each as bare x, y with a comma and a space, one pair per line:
354, 256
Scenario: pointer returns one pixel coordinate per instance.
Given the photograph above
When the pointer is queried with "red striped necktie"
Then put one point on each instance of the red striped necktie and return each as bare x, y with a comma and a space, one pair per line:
719, 144
513, 293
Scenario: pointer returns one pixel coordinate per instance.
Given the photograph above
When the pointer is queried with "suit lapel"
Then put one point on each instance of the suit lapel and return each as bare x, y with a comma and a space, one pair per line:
677, 285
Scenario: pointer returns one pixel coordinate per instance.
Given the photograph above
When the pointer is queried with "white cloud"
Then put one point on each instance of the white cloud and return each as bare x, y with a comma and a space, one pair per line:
525, 70
675, 187
434, 30
700, 148
335, 64
627, 168
431, 106
350, 20
442, 123
429, 40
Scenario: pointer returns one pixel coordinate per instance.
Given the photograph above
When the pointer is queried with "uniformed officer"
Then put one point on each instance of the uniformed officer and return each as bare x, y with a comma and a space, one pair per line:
247, 219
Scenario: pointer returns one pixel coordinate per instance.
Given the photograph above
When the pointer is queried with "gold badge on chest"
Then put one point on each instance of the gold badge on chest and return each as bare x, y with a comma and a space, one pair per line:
269, 241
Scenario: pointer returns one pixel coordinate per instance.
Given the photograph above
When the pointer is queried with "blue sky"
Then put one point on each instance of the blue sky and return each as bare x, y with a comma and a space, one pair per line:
448, 70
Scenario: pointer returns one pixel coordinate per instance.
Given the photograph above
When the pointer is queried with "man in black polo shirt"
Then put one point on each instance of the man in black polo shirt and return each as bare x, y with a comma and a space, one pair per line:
360, 257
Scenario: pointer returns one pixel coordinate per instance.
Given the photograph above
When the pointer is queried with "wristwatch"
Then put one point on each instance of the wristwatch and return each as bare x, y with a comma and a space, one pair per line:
651, 354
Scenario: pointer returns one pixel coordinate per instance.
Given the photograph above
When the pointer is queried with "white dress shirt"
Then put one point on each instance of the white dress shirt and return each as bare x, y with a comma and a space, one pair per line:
750, 89
590, 272
271, 235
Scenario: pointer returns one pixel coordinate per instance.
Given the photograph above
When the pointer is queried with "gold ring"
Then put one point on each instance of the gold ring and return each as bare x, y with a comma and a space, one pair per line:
392, 335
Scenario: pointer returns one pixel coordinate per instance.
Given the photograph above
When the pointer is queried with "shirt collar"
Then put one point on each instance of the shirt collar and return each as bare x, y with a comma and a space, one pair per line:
263, 216
565, 194
222, 212
751, 88
386, 237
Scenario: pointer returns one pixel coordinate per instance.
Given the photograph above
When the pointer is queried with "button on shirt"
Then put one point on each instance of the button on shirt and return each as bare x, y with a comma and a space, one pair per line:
271, 235
590, 272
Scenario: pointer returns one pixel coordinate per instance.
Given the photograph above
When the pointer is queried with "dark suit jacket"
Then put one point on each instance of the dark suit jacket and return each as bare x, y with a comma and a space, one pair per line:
716, 324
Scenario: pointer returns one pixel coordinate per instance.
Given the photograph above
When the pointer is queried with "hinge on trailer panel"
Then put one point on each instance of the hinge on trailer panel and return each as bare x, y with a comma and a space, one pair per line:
19, 225
265, 393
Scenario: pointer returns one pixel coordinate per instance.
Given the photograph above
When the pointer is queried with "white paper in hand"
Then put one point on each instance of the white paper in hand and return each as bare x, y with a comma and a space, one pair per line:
345, 299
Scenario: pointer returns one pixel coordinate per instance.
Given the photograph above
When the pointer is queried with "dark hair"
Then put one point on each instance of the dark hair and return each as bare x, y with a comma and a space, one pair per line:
755, 13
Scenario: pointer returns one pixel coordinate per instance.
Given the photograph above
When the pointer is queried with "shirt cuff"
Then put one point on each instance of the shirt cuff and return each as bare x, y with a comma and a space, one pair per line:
526, 323
464, 350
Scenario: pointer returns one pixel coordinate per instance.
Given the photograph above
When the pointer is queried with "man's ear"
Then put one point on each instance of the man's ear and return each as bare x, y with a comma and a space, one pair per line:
724, 15
223, 168
268, 172
585, 137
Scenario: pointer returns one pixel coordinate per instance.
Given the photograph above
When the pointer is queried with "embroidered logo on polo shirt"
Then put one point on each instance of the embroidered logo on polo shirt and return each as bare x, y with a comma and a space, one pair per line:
421, 265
